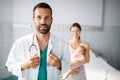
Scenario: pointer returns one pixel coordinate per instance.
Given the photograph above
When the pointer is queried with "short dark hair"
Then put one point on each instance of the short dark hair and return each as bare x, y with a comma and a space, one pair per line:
42, 5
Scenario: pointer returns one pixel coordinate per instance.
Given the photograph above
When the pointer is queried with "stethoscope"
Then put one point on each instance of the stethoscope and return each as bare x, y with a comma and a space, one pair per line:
33, 44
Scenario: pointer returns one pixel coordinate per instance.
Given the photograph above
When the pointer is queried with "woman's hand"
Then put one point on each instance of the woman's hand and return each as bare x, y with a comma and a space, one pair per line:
75, 71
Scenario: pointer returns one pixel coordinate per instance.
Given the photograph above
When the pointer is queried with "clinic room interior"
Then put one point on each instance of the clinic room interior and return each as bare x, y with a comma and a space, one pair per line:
100, 21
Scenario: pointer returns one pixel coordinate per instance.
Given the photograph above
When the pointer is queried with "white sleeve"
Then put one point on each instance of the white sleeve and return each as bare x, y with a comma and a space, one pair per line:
66, 59
14, 62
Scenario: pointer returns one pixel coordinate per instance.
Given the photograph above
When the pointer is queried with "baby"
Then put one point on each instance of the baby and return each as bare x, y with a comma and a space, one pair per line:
76, 58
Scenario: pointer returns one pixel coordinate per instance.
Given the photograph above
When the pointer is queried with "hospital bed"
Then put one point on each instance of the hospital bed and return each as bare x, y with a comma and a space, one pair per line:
99, 69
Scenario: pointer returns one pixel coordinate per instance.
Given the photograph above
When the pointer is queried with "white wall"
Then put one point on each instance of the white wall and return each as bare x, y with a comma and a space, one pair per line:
112, 13
6, 10
5, 34
87, 12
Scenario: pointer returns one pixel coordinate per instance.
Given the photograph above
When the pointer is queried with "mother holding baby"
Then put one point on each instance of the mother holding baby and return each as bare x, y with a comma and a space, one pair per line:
74, 44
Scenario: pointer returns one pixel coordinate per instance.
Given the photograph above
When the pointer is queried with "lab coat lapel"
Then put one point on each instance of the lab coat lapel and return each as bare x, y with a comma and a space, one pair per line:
50, 45
36, 43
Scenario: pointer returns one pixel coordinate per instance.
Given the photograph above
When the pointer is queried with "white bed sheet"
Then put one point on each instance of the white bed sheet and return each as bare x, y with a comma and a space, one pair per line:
98, 69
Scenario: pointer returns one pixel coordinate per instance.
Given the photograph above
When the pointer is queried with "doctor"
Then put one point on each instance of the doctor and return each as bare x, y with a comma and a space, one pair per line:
40, 55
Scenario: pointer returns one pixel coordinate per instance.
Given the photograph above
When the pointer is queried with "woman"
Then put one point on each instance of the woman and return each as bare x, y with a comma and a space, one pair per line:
74, 43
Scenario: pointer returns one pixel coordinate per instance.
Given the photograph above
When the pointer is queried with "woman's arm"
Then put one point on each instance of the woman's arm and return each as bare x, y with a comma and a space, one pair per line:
87, 54
75, 61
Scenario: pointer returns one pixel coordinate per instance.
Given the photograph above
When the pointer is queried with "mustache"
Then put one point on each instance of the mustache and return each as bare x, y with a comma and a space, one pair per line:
43, 24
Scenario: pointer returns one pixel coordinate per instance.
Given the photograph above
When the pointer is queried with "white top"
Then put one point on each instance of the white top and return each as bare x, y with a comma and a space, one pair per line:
81, 74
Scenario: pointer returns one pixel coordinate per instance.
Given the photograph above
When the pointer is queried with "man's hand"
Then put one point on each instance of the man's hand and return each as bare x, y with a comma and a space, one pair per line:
54, 60
31, 62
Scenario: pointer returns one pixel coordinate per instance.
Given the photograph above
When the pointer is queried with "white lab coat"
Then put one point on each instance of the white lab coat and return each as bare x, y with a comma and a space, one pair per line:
20, 52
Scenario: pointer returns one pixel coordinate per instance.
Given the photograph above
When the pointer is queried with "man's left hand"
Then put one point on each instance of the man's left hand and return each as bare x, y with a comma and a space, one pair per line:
53, 60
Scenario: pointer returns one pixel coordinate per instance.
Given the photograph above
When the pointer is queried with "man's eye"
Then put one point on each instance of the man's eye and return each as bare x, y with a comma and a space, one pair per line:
47, 17
39, 17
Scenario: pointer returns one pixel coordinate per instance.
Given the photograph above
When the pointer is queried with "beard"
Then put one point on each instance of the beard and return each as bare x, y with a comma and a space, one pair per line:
43, 28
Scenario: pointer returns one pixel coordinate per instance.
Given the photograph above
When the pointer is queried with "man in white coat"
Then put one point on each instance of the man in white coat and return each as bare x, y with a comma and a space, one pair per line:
39, 55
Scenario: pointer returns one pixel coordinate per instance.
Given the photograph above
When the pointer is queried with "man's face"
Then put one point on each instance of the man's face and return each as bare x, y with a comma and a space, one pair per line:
43, 19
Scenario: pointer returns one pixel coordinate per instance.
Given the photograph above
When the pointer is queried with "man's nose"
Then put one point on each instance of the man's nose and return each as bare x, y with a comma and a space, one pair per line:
43, 21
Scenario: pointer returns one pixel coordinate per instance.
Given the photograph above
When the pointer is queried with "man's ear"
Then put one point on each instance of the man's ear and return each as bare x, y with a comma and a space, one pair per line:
33, 19
52, 19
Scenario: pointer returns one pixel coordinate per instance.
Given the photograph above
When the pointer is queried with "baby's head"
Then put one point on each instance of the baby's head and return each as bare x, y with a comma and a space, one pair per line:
81, 50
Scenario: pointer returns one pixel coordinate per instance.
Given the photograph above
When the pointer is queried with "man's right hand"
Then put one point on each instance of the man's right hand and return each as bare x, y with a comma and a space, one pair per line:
31, 62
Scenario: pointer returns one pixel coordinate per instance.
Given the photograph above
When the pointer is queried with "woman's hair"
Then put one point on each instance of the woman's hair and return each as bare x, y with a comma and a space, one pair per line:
42, 5
76, 25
